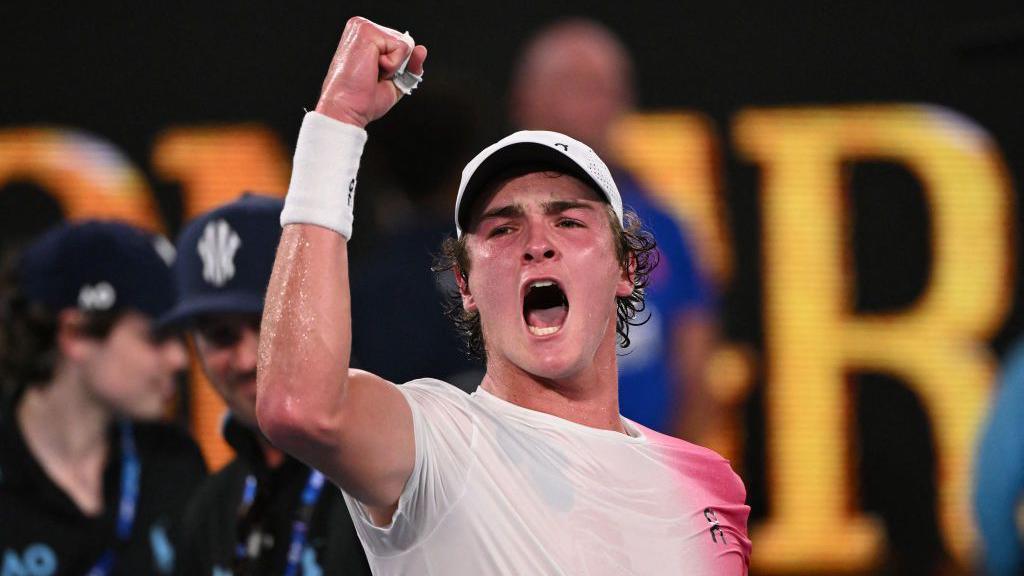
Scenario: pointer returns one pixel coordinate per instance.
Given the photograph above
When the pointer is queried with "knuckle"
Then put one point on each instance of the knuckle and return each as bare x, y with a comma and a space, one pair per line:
356, 25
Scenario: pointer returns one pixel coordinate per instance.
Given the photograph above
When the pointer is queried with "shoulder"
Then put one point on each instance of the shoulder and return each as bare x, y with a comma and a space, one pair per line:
168, 444
1012, 374
207, 527
227, 479
700, 465
682, 448
172, 465
430, 393
12, 452
439, 409
444, 421
217, 491
163, 437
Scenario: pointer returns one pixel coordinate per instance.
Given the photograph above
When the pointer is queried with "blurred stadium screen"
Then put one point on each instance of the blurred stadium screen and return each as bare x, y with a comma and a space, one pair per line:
864, 253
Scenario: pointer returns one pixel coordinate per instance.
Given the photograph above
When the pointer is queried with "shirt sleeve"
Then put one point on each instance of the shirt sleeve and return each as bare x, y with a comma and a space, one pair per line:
444, 431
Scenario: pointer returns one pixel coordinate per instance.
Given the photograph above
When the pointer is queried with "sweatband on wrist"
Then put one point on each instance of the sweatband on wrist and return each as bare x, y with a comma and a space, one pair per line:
323, 185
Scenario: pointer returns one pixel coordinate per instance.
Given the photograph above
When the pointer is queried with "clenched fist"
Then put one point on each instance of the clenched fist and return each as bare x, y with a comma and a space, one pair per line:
358, 87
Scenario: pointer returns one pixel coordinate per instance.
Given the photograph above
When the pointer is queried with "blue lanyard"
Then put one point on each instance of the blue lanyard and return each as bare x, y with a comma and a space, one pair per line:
248, 495
130, 472
300, 526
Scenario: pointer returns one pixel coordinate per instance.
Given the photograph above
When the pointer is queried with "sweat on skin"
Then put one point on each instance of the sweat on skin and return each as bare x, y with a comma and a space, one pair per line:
406, 456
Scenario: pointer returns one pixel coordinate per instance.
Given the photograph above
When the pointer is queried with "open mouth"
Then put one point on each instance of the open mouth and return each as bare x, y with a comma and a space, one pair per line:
545, 307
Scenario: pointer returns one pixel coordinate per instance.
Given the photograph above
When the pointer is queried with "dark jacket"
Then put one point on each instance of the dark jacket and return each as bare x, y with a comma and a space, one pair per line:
215, 523
42, 531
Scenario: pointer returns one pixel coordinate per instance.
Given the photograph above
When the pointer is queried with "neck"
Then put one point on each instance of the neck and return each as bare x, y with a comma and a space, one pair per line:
589, 397
63, 420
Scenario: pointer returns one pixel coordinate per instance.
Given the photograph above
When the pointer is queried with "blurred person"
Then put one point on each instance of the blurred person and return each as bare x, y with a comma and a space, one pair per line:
90, 481
576, 77
264, 513
423, 148
536, 472
999, 473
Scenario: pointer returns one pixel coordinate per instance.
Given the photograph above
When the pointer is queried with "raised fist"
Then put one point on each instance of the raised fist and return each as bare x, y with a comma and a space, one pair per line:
358, 87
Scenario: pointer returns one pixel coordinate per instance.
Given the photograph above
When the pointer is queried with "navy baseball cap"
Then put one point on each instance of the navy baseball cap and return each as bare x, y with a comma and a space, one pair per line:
225, 258
99, 265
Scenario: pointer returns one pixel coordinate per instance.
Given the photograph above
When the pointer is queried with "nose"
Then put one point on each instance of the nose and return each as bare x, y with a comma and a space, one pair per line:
245, 351
175, 354
538, 246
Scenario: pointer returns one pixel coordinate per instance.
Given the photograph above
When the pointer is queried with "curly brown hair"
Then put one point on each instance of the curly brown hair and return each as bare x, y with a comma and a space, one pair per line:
635, 247
28, 335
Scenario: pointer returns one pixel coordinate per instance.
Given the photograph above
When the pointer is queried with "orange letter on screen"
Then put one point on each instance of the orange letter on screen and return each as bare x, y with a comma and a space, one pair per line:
216, 164
937, 345
89, 176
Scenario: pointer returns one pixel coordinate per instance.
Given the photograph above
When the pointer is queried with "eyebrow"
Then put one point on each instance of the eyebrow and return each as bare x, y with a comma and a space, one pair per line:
507, 211
559, 206
553, 207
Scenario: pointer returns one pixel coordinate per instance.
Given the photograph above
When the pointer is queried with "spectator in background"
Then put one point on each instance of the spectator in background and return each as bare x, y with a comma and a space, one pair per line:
90, 482
245, 518
575, 77
999, 472
424, 144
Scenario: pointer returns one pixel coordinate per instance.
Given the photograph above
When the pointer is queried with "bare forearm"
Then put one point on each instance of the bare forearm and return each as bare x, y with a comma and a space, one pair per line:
305, 338
353, 426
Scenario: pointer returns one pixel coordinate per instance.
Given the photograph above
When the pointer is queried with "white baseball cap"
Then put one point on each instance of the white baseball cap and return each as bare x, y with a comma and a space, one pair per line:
547, 150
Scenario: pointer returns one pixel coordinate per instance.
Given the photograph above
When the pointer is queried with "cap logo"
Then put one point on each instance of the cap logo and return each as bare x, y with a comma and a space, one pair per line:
100, 296
165, 249
562, 146
217, 249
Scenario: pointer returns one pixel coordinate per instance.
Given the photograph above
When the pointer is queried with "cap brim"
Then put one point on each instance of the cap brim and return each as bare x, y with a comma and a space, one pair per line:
185, 313
526, 154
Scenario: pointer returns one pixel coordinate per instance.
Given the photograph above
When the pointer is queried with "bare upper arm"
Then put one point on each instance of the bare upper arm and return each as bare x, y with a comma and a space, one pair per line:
376, 451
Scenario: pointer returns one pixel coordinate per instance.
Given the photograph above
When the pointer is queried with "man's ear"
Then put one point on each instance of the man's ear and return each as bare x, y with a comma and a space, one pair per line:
462, 279
625, 286
70, 342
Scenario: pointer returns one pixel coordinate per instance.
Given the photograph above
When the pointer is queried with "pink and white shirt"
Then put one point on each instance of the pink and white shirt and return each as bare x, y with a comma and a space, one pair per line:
501, 489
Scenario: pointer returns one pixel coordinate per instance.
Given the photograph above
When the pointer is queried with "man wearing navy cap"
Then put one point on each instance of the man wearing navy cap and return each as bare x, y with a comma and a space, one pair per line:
264, 513
89, 484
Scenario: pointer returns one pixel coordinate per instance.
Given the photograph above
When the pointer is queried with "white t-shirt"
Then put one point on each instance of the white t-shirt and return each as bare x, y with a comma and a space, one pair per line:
500, 489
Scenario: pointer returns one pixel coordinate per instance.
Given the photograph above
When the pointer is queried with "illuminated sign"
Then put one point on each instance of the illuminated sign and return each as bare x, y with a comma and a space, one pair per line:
813, 337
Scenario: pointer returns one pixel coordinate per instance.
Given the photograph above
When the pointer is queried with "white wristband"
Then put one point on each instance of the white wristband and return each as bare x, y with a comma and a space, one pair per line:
323, 186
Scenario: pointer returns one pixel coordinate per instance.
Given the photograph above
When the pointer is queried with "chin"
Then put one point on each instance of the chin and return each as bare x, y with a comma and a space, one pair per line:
144, 413
552, 364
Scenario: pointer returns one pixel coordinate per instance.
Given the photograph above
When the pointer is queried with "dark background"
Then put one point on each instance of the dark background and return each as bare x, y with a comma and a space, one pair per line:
127, 71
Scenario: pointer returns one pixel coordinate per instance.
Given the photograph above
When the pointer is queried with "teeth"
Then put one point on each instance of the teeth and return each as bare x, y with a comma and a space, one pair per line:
536, 331
542, 283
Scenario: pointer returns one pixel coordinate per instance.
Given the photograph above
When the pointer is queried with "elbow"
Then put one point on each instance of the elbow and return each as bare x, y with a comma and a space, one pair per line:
272, 415
297, 425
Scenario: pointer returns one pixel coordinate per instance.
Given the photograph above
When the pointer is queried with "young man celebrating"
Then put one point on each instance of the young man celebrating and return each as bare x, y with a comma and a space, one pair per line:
264, 513
536, 472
